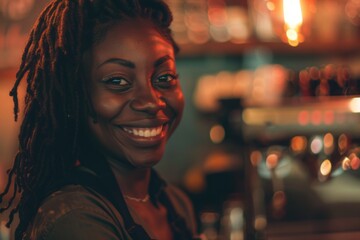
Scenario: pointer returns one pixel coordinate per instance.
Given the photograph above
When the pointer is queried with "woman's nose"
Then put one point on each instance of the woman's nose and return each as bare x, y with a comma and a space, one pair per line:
148, 100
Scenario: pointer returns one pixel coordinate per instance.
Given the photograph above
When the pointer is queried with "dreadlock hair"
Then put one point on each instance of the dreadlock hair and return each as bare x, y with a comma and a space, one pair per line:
56, 101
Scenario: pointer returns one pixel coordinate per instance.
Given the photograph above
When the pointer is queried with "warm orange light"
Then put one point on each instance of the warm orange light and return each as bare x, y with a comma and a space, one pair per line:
346, 164
272, 160
325, 167
293, 20
329, 117
298, 144
292, 13
217, 133
354, 161
354, 105
316, 117
343, 143
328, 143
255, 158
328, 140
303, 117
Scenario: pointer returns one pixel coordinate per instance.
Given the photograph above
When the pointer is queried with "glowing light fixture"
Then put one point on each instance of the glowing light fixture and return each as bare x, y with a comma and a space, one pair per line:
354, 105
293, 20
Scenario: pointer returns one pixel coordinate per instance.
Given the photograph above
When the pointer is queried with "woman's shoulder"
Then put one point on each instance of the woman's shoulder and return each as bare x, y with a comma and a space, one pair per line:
178, 196
71, 197
75, 211
183, 205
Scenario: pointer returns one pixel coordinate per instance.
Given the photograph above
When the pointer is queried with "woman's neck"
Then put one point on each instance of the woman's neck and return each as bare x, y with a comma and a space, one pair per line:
133, 182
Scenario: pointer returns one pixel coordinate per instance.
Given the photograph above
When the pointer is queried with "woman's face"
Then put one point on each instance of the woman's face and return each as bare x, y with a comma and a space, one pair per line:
135, 93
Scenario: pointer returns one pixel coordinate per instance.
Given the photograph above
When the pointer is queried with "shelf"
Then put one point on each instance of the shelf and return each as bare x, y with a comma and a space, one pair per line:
338, 48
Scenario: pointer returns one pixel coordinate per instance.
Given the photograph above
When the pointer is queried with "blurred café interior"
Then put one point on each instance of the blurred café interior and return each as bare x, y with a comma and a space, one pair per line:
268, 147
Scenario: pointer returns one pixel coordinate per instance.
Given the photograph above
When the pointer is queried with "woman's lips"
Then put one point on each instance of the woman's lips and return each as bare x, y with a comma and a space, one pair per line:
146, 136
144, 132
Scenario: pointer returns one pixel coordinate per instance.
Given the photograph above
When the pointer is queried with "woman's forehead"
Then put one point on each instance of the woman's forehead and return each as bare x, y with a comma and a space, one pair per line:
129, 39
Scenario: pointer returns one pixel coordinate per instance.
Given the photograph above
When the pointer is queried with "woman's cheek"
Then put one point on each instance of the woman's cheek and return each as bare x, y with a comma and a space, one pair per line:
107, 106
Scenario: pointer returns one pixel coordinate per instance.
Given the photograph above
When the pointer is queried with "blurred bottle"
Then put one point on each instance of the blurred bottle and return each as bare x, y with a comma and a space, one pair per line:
209, 221
232, 224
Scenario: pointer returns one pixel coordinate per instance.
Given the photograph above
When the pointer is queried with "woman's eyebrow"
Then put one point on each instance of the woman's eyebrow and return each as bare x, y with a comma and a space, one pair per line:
119, 61
162, 60
130, 64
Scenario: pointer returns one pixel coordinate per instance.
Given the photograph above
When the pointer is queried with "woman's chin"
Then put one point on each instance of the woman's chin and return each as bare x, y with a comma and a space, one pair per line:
145, 163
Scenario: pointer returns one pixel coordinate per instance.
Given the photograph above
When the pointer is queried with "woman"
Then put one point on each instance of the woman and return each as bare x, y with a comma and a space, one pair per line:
103, 97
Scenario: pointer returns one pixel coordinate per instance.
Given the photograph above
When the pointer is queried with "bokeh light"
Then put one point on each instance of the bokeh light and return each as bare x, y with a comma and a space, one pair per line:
298, 144
343, 143
325, 167
217, 133
272, 160
316, 145
354, 105
328, 143
255, 158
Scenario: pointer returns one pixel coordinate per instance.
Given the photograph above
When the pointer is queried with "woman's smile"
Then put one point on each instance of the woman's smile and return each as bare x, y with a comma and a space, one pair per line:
146, 137
145, 133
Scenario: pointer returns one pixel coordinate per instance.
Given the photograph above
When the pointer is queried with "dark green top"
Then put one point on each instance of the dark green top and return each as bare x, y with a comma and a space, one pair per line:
77, 212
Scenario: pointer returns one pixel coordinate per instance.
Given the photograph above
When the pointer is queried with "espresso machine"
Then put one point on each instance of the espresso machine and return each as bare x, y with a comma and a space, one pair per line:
300, 162
303, 168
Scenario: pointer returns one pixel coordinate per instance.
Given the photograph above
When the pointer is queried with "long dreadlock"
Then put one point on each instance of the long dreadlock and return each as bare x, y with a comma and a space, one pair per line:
56, 101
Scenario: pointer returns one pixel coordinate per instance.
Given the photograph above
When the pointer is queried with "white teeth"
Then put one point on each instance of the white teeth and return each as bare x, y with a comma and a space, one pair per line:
153, 132
144, 132
147, 133
158, 131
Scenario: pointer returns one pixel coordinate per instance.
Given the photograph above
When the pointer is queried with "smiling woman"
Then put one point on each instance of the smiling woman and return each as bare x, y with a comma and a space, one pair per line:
135, 93
103, 97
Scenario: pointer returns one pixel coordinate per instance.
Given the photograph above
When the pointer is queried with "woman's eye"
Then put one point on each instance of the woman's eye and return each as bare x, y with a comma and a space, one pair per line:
166, 80
117, 83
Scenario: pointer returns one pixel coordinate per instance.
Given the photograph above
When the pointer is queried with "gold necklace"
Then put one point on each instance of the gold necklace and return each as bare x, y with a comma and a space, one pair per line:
142, 200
